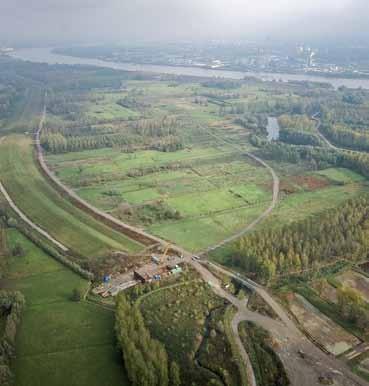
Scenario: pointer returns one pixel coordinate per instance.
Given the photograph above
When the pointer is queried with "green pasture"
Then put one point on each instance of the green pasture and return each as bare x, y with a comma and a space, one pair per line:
59, 340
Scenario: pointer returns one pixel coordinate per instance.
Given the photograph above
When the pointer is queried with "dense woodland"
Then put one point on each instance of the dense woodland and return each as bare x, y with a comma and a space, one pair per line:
345, 121
345, 137
298, 137
255, 122
340, 233
9, 97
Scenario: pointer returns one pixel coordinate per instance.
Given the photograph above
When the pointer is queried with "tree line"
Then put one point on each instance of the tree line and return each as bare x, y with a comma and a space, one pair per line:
56, 143
11, 307
336, 233
156, 134
71, 259
318, 158
145, 358
346, 137
346, 124
352, 307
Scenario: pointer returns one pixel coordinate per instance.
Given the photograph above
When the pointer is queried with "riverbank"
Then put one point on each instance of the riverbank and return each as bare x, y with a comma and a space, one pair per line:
46, 55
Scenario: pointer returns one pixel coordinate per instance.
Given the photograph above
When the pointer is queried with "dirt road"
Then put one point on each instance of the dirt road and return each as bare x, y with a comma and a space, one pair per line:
318, 122
316, 118
289, 341
266, 213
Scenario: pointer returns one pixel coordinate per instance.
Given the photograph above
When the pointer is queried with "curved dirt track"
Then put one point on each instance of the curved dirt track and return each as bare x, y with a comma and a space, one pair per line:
262, 216
318, 122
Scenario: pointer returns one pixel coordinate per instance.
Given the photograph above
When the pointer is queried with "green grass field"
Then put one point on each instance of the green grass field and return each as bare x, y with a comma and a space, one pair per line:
105, 108
341, 176
40, 202
301, 205
215, 192
59, 341
198, 233
110, 161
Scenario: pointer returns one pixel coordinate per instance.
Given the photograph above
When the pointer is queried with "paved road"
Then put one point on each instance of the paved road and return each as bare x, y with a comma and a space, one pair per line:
134, 232
188, 256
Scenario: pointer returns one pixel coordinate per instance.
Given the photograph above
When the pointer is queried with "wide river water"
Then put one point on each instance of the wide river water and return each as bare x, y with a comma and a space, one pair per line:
45, 55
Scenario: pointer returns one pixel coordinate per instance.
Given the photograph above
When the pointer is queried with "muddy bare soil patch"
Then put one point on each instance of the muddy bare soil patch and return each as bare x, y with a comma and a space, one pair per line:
310, 183
327, 333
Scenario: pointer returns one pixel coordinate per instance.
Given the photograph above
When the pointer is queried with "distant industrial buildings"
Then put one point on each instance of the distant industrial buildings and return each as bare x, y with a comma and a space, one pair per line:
6, 50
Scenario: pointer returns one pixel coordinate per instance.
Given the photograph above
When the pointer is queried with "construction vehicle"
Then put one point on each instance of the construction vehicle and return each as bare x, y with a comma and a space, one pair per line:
166, 251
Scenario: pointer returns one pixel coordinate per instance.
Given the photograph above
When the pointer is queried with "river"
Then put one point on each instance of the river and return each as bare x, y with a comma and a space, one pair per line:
45, 55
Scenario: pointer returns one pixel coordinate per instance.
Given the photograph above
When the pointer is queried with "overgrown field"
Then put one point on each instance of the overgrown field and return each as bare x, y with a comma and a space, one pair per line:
190, 321
60, 341
305, 193
268, 368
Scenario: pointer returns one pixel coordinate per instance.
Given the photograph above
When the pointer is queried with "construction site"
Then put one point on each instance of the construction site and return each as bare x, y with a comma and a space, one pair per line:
163, 262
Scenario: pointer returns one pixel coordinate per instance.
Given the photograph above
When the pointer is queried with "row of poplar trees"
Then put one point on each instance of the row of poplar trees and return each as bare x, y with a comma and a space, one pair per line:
145, 358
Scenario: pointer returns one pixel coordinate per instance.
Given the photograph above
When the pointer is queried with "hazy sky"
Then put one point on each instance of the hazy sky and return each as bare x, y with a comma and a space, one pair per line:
122, 20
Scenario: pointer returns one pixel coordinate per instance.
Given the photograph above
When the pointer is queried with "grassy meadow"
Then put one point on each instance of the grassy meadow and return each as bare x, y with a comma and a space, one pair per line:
40, 202
59, 340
